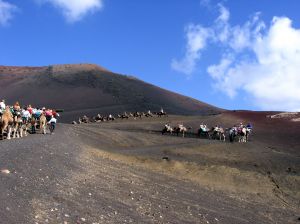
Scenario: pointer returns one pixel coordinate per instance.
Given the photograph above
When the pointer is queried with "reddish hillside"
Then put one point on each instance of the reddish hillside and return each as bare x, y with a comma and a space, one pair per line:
89, 89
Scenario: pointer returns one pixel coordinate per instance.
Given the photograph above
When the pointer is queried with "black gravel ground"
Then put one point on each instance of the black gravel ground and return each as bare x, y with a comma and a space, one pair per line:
57, 179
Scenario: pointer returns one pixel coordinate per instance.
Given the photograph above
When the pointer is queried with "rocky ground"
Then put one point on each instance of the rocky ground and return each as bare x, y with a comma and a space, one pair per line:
127, 172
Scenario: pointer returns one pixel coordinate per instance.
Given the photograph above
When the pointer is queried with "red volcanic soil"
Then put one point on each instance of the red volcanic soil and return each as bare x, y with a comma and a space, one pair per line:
280, 132
90, 89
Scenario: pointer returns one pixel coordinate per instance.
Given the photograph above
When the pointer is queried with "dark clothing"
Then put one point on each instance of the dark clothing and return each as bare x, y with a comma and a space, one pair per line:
52, 127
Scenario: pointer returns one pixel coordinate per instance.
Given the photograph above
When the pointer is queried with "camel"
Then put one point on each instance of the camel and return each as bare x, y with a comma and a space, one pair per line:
110, 118
25, 125
161, 114
232, 133
203, 131
137, 114
241, 132
148, 114
181, 129
123, 116
85, 119
98, 118
43, 123
166, 129
6, 122
219, 133
18, 126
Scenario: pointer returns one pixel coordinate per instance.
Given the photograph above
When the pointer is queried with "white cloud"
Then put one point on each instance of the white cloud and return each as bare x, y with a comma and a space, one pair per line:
261, 61
6, 12
271, 76
75, 10
224, 14
197, 37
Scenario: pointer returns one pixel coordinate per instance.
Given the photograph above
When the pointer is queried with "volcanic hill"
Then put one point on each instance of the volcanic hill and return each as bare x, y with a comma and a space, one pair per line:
90, 89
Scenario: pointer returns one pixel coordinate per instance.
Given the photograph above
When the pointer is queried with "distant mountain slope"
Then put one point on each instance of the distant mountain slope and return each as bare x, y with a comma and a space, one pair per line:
89, 89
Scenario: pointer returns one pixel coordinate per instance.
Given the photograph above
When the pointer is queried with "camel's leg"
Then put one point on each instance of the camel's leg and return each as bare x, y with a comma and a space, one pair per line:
17, 128
14, 132
9, 133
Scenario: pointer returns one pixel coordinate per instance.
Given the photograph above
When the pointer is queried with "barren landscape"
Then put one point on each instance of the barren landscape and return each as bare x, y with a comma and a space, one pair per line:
126, 171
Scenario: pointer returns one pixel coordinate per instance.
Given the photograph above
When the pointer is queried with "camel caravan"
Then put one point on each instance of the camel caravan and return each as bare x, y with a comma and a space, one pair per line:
238, 133
99, 118
17, 122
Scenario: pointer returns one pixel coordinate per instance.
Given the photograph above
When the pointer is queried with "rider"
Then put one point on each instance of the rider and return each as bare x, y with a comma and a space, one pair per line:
2, 107
16, 109
37, 113
25, 115
29, 108
55, 114
249, 126
48, 114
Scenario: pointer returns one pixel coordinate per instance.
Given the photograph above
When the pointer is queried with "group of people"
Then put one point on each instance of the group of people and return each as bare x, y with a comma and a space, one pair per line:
29, 115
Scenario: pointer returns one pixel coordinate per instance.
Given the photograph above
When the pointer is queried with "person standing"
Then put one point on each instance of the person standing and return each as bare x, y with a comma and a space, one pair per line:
52, 123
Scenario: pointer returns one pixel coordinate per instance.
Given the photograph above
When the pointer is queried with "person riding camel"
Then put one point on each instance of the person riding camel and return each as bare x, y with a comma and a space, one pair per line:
2, 107
25, 115
16, 109
249, 126
49, 114
37, 112
55, 114
29, 108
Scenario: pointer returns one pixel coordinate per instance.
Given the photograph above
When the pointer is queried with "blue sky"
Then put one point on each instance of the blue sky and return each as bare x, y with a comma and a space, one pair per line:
232, 54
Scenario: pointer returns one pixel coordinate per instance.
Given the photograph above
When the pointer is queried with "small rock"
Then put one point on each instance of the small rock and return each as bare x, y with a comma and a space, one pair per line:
83, 219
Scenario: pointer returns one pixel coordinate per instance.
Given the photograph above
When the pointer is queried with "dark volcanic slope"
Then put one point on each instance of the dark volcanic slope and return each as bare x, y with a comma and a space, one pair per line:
89, 89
